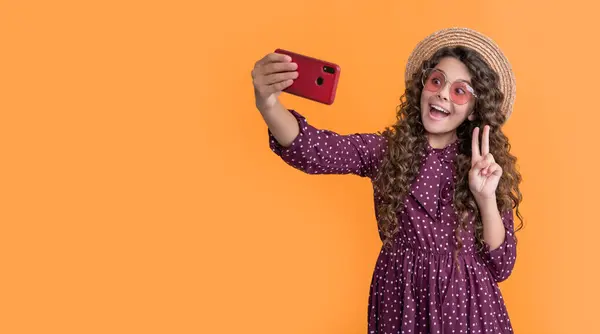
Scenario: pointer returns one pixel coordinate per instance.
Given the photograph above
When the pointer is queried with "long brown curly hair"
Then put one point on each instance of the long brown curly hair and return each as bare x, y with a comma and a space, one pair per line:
407, 141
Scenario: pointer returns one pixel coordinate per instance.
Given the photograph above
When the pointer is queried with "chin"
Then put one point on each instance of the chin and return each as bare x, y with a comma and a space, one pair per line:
437, 130
436, 126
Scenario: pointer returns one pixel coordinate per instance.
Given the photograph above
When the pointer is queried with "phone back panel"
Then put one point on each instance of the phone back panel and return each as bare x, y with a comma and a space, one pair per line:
317, 79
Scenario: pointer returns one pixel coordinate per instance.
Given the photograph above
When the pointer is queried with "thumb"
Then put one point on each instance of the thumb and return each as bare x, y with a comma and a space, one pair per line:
478, 166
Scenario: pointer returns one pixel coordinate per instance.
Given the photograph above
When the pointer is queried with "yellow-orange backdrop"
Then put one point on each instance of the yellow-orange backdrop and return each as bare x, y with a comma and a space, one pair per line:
139, 194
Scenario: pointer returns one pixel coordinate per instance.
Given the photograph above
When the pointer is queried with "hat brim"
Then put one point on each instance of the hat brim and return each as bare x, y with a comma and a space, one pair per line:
472, 39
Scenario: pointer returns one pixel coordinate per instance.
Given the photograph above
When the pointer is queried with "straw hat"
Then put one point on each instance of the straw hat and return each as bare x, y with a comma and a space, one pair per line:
486, 47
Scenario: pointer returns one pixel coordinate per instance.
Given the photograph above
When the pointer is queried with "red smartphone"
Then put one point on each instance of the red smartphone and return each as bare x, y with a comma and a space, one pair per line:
317, 79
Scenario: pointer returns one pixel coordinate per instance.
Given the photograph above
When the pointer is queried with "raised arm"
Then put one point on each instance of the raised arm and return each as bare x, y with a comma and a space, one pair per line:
317, 151
301, 145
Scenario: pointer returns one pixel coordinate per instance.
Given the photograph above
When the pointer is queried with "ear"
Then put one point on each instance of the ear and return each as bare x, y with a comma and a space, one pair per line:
471, 116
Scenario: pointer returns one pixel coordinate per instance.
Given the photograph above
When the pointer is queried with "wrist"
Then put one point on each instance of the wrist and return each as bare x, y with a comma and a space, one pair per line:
487, 204
266, 109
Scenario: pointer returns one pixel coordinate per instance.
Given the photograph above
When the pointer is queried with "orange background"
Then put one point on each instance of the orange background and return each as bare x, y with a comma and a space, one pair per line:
139, 194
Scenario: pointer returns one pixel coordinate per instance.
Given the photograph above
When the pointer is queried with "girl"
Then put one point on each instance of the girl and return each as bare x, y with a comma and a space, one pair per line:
445, 183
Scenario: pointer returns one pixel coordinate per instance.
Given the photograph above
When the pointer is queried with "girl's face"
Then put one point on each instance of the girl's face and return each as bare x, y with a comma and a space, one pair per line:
447, 100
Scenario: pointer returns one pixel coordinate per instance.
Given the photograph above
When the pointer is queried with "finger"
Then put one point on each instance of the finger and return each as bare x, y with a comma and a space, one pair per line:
489, 158
495, 169
278, 87
485, 141
278, 67
278, 77
489, 161
274, 57
261, 80
475, 153
479, 166
483, 164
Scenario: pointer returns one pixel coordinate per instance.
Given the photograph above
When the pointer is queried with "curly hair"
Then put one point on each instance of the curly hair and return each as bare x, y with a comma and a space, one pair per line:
407, 142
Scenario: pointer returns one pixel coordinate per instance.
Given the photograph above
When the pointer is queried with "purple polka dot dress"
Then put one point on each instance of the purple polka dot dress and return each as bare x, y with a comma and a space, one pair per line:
416, 286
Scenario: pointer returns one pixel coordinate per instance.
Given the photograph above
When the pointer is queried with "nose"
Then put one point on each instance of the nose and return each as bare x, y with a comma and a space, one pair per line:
444, 93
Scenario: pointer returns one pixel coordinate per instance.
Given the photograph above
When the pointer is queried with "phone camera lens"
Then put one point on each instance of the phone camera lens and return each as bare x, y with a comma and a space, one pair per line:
329, 69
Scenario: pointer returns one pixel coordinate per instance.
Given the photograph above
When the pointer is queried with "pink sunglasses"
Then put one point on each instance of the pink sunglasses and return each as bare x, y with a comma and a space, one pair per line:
434, 80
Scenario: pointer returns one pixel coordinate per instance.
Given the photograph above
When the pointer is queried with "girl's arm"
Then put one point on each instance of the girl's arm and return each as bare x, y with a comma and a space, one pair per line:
282, 125
318, 151
299, 144
493, 229
500, 251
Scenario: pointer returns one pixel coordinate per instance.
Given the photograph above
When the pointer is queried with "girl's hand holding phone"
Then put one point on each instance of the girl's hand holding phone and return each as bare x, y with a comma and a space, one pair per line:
271, 75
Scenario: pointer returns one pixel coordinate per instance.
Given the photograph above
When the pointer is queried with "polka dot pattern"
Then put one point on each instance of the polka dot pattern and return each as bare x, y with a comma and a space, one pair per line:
416, 286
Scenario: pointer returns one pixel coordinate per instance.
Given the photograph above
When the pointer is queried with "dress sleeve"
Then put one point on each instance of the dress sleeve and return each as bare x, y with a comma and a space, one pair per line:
501, 260
317, 151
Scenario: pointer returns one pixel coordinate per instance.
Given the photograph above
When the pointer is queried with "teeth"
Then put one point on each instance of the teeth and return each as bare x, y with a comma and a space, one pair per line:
439, 108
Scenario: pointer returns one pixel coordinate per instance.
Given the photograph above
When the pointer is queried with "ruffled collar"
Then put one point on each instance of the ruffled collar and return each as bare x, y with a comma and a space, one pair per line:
428, 188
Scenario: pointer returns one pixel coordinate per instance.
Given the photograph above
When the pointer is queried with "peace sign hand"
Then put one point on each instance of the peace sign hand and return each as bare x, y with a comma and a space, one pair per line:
485, 173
